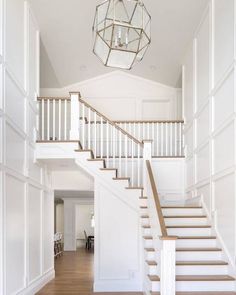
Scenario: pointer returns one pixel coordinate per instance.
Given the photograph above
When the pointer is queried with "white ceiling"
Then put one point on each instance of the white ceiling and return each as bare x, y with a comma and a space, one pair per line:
66, 47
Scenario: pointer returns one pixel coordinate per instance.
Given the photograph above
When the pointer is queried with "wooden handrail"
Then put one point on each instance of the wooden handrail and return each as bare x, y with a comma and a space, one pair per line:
53, 98
111, 122
157, 200
147, 121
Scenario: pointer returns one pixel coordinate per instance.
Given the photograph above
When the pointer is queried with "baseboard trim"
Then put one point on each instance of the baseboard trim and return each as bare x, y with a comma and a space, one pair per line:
39, 283
117, 286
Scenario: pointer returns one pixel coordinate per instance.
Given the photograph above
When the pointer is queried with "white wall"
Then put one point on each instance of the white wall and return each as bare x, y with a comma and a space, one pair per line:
122, 96
83, 213
26, 201
209, 111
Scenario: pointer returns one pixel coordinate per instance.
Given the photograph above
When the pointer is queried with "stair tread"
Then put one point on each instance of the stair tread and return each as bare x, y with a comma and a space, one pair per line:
121, 178
134, 187
143, 198
151, 262
146, 226
143, 207
202, 262
188, 226
196, 237
204, 278
185, 216
148, 237
144, 216
154, 278
198, 249
150, 249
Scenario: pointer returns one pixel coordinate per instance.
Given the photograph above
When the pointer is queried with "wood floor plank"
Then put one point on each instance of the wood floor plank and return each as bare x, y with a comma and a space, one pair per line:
74, 275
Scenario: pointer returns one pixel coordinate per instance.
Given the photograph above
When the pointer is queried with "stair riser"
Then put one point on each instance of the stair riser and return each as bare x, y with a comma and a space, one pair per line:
150, 269
123, 183
148, 243
143, 202
109, 174
189, 231
155, 286
185, 286
201, 270
186, 221
146, 231
145, 221
143, 211
200, 255
185, 212
196, 243
96, 165
83, 156
150, 255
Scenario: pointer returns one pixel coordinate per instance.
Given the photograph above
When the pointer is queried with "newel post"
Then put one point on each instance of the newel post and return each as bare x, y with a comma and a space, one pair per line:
75, 115
168, 261
147, 155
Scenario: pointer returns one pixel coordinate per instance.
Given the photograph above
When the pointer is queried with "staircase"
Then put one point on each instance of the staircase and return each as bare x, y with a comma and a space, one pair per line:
107, 151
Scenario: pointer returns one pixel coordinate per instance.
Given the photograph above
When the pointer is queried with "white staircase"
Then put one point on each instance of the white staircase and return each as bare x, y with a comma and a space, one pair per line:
117, 158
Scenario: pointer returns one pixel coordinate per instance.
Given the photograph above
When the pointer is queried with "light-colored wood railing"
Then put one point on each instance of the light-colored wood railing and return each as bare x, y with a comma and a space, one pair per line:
157, 200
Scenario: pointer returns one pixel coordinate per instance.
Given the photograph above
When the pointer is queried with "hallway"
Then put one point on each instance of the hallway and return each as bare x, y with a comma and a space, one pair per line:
74, 275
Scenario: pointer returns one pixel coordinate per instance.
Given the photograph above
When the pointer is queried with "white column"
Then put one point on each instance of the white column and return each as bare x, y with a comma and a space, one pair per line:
167, 275
147, 155
75, 120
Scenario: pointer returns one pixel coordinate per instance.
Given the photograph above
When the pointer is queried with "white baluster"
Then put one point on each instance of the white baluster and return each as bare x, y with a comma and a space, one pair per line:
132, 163
171, 140
53, 120
43, 118
48, 115
158, 140
113, 145
59, 120
162, 140
95, 134
120, 152
153, 138
83, 126
138, 164
107, 151
126, 155
65, 120
167, 138
176, 139
180, 139
89, 129
74, 113
101, 137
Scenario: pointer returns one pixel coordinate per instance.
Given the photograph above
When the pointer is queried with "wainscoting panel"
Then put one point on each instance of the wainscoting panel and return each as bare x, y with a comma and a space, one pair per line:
15, 234
15, 150
34, 234
202, 164
203, 125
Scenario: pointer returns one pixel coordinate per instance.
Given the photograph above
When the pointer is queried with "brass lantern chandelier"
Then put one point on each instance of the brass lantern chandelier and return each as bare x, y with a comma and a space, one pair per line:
122, 32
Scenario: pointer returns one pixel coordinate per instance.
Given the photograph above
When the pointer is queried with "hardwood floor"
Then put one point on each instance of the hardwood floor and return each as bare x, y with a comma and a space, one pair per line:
74, 275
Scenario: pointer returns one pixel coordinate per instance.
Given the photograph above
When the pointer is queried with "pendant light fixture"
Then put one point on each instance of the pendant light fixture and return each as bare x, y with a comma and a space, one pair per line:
122, 32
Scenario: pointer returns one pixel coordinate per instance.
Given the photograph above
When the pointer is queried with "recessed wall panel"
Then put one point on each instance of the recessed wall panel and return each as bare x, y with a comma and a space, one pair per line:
203, 62
189, 141
203, 163
15, 38
1, 86
203, 122
205, 192
224, 101
48, 209
156, 110
225, 209
34, 169
15, 102
188, 86
34, 197
14, 150
224, 148
15, 235
224, 36
190, 172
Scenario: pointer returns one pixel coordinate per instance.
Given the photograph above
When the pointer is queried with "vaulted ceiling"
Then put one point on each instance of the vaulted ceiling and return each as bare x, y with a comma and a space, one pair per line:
66, 40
